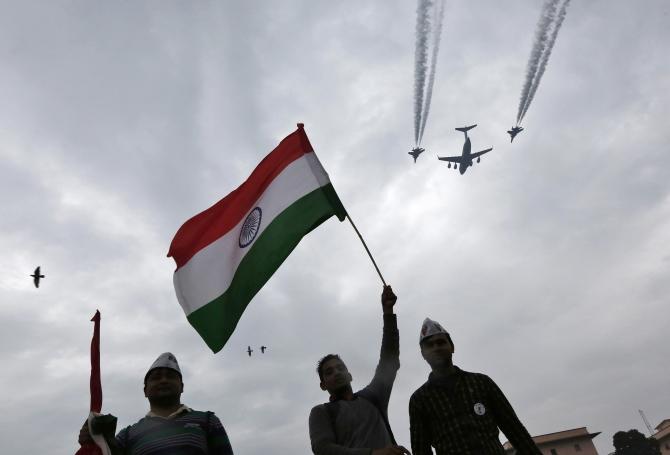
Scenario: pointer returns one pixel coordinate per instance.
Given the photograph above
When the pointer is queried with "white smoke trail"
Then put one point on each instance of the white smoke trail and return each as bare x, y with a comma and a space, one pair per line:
541, 36
545, 55
420, 61
437, 32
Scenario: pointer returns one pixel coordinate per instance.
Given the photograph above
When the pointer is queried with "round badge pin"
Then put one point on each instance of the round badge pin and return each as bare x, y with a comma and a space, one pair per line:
250, 227
480, 410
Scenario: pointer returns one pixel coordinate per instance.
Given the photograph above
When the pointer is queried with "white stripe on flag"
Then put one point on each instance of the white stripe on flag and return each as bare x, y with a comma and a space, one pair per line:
209, 272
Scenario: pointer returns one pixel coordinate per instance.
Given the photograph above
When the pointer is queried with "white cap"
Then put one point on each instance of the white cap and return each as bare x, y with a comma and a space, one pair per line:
430, 328
165, 360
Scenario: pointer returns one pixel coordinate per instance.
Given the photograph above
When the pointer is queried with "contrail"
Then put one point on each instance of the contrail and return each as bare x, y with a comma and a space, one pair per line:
541, 36
437, 32
545, 56
420, 61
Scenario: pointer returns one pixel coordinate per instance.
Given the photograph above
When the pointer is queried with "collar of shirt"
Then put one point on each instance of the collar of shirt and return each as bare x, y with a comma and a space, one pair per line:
432, 379
182, 409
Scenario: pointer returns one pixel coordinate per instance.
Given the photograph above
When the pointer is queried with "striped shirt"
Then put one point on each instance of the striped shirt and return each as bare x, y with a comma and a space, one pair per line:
187, 433
461, 415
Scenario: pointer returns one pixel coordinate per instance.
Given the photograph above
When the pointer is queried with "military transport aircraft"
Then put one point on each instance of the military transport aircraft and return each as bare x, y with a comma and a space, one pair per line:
465, 160
514, 131
249, 350
263, 348
416, 151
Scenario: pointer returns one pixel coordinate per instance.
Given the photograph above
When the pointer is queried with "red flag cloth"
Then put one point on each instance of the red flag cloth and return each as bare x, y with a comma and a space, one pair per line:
91, 448
96, 386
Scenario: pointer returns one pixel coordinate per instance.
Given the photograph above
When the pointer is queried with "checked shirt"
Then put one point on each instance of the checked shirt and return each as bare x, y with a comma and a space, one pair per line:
461, 415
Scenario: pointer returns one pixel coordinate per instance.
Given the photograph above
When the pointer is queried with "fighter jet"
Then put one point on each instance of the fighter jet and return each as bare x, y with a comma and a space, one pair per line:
416, 151
465, 160
36, 277
249, 350
514, 131
263, 348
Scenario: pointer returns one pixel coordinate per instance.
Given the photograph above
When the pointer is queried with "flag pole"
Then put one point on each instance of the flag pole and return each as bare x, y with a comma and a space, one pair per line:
366, 249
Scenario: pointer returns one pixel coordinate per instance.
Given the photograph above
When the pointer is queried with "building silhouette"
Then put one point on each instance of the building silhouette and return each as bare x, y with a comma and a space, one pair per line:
662, 435
577, 441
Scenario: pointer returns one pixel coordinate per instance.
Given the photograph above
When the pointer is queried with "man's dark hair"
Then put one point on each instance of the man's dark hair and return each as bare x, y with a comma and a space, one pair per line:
319, 365
448, 338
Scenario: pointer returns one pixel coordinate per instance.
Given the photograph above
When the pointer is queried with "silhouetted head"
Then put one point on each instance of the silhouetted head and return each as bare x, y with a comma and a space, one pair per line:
436, 345
333, 375
163, 382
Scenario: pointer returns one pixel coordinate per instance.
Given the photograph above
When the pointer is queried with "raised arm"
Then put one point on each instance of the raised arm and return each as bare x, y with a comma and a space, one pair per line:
389, 357
379, 389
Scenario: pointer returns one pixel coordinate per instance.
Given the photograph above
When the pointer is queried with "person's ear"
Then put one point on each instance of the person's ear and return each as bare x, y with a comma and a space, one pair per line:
322, 385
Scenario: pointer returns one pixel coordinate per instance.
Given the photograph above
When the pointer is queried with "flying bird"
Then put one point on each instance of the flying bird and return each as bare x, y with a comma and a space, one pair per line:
263, 348
36, 277
249, 350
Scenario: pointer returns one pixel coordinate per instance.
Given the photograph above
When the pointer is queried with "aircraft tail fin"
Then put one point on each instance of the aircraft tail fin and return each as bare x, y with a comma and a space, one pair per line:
466, 128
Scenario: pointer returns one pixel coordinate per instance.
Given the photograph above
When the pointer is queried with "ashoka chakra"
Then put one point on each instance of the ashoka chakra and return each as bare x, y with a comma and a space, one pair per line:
250, 227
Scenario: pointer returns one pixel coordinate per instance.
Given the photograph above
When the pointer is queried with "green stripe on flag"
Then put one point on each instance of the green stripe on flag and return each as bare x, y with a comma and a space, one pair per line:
216, 321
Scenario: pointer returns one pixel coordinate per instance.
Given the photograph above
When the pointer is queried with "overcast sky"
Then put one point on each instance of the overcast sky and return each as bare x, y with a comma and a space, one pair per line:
548, 262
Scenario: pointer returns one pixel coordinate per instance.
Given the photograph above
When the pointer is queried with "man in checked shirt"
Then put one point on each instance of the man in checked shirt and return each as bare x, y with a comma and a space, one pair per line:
458, 412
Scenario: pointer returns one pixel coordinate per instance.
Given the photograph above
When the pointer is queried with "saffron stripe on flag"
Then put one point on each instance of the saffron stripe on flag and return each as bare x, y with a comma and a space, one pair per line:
210, 271
207, 226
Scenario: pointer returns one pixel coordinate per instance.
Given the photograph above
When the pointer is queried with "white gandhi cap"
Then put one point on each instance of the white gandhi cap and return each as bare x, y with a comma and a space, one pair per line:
165, 360
430, 328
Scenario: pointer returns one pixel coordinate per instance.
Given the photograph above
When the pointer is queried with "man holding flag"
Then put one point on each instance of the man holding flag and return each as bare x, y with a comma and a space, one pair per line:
169, 426
357, 423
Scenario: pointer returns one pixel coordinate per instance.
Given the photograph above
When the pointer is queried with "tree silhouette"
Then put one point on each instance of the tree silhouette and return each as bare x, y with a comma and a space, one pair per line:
632, 442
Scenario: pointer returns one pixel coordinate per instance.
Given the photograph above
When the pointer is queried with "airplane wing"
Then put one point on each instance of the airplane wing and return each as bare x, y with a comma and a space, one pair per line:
475, 155
451, 159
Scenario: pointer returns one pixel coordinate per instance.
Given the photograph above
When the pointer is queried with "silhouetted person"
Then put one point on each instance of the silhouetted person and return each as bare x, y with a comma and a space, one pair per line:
170, 426
457, 412
357, 423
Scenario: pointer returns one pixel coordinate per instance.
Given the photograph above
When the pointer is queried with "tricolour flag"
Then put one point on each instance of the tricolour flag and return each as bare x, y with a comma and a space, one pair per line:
225, 254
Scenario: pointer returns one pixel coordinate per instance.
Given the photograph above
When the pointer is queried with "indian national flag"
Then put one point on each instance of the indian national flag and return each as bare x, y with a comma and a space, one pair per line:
225, 254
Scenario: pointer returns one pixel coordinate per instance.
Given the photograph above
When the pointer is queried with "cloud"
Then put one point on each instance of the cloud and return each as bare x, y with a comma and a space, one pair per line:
546, 261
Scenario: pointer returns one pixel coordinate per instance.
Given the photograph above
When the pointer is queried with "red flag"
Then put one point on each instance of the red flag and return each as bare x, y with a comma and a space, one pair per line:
96, 386
91, 448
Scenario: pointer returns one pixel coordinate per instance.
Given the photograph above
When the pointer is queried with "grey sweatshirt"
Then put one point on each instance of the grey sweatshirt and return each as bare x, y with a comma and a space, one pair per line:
359, 426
